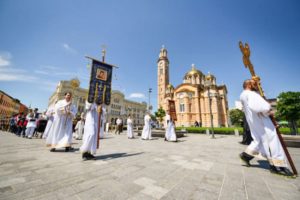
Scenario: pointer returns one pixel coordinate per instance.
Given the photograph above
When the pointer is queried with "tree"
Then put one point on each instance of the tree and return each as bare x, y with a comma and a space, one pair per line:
288, 108
236, 117
160, 114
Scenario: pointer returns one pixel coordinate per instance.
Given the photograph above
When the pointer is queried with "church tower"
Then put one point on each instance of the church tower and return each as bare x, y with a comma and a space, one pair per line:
162, 76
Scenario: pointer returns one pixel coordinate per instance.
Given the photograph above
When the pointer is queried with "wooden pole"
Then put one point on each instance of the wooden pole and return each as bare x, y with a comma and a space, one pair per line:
99, 110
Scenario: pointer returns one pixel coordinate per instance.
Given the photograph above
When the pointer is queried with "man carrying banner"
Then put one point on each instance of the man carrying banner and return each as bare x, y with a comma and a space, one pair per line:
89, 140
98, 95
263, 132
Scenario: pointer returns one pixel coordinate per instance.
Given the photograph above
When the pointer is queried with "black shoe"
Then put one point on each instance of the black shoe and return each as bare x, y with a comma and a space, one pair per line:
85, 156
91, 157
273, 169
67, 149
246, 158
52, 150
285, 172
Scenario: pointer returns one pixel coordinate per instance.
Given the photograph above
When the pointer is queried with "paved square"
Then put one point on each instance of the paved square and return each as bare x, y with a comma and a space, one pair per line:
197, 167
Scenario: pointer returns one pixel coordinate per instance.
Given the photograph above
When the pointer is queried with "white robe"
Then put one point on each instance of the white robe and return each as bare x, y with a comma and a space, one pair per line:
130, 128
30, 127
89, 141
50, 114
103, 121
79, 129
263, 132
60, 133
170, 134
146, 134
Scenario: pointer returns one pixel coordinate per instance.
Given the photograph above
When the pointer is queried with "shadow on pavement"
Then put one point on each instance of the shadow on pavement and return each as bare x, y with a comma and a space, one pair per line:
116, 155
264, 164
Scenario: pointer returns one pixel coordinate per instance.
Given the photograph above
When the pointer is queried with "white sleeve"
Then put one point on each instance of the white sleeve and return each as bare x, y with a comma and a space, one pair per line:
258, 104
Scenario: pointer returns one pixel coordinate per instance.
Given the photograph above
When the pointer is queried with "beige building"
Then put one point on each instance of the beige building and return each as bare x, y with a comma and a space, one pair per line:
191, 97
119, 107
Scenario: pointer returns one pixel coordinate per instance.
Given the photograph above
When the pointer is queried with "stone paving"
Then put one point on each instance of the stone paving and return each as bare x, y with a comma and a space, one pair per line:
196, 167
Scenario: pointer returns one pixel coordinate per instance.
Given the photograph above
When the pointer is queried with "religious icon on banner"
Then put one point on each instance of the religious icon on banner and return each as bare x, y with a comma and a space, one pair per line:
172, 110
101, 74
100, 83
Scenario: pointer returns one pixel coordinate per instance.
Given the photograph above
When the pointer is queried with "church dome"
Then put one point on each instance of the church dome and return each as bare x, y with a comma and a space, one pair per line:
193, 72
169, 86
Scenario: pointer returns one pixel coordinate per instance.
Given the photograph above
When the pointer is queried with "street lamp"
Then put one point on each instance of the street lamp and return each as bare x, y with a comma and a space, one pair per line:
208, 83
149, 106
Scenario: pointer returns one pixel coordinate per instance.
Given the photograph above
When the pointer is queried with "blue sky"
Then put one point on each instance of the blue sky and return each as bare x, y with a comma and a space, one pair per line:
42, 42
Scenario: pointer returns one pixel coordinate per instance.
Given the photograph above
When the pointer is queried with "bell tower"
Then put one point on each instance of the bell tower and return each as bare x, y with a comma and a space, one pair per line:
162, 77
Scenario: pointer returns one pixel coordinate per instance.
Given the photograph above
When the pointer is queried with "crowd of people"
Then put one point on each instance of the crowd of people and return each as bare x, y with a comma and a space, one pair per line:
57, 126
58, 132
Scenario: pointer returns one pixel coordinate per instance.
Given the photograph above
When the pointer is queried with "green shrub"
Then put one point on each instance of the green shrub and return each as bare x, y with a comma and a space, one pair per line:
226, 130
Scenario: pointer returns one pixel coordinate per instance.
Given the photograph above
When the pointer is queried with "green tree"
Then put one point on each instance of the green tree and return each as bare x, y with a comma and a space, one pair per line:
288, 108
159, 114
236, 117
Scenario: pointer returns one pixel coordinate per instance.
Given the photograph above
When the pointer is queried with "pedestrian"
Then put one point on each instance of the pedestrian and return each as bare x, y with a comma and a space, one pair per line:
31, 124
60, 135
130, 134
50, 116
119, 126
170, 134
90, 137
79, 128
265, 139
146, 133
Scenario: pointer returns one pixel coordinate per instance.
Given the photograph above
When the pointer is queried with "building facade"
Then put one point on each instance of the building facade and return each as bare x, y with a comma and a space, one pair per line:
198, 98
119, 107
10, 106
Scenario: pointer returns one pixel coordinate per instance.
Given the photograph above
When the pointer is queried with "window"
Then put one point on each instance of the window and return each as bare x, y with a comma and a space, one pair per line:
181, 107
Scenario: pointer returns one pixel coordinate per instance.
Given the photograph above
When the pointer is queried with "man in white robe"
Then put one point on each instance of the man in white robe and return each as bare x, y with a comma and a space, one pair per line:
89, 141
60, 134
31, 125
170, 134
79, 129
103, 121
50, 115
263, 132
130, 134
146, 133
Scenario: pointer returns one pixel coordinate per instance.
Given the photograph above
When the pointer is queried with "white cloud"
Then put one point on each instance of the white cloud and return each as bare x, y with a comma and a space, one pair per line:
6, 76
53, 71
68, 48
5, 59
137, 95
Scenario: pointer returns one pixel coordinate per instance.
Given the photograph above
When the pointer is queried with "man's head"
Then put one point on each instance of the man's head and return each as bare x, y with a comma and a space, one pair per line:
250, 84
68, 96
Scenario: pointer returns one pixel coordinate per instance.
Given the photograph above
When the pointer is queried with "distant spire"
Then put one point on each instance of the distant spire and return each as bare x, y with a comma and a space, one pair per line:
193, 67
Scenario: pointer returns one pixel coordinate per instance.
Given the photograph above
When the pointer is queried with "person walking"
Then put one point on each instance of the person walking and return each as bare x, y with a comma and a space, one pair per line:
265, 139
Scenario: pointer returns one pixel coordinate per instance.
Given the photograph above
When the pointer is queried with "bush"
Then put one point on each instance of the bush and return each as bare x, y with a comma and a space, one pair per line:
226, 131
221, 130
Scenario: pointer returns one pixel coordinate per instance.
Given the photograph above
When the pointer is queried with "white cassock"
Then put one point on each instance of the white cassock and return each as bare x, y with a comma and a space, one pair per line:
103, 121
130, 128
61, 131
263, 132
89, 141
170, 134
30, 127
146, 134
50, 115
79, 129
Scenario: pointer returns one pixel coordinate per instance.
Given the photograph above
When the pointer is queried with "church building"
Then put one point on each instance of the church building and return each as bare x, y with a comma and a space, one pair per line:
198, 98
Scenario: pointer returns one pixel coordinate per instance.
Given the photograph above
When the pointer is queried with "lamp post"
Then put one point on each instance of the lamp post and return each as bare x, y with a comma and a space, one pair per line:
208, 84
149, 106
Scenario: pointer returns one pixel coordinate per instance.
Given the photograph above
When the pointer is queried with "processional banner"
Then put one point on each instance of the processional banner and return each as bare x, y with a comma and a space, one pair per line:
100, 83
172, 110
